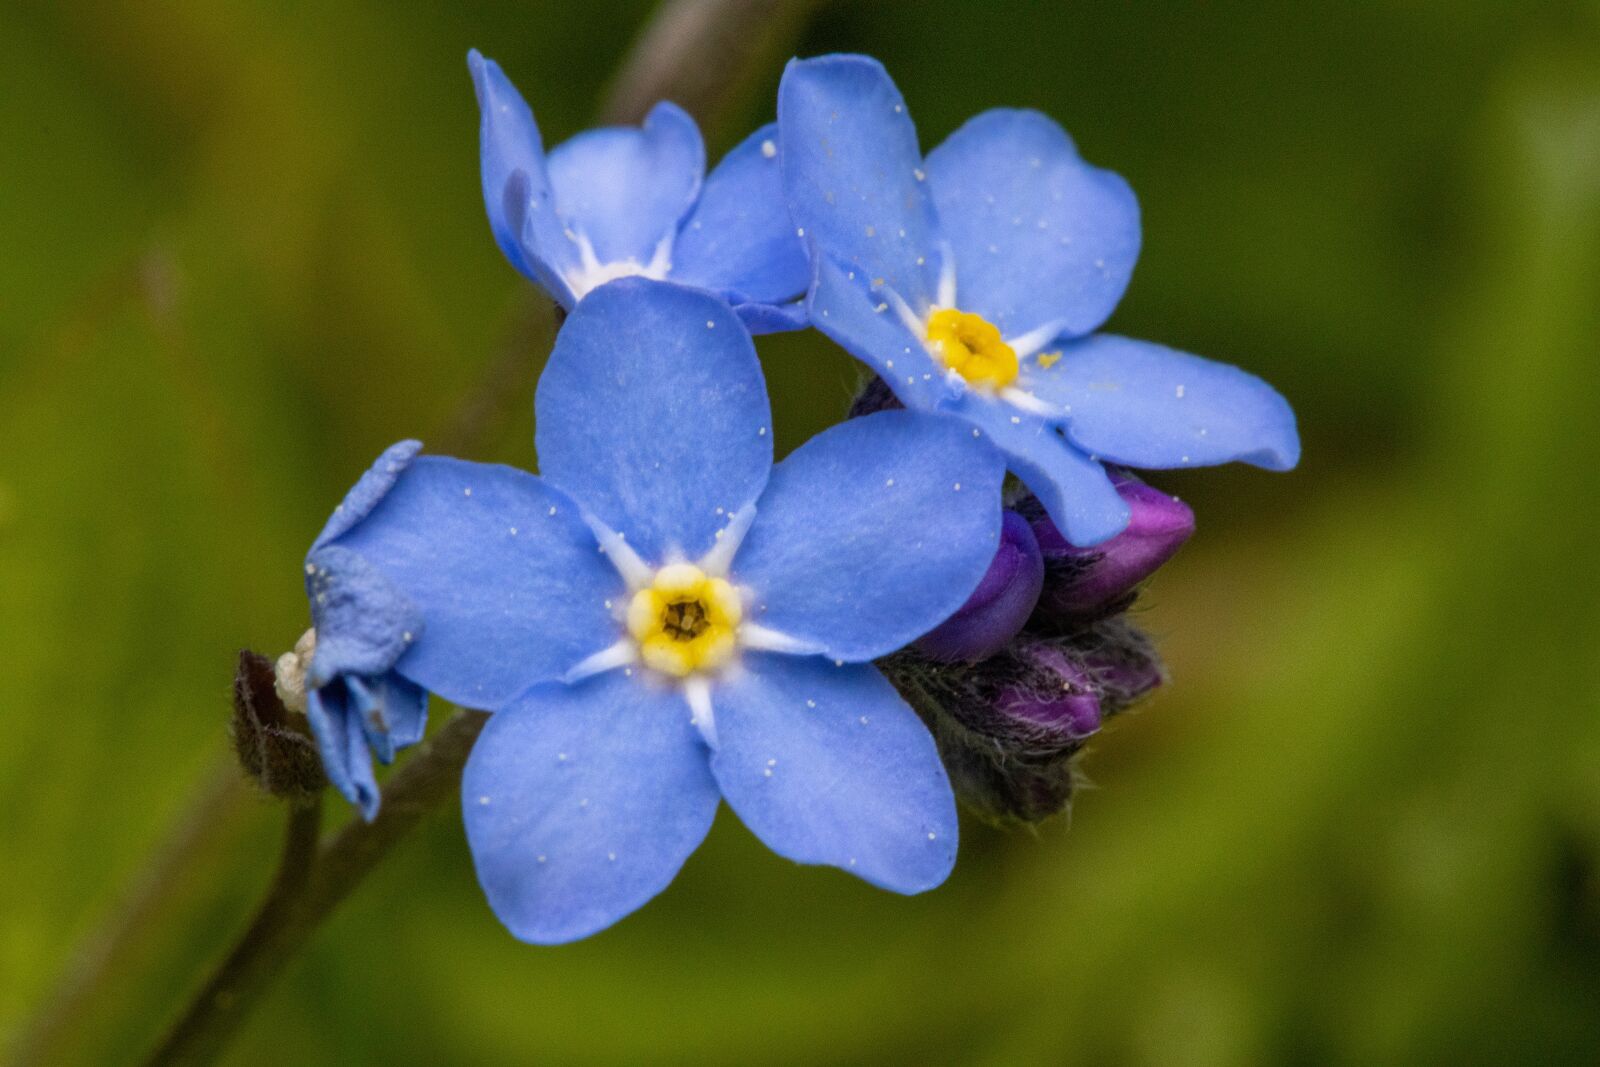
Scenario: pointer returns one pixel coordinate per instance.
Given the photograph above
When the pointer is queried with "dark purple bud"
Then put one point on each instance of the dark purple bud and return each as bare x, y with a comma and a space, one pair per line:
1086, 582
998, 608
1055, 694
1010, 727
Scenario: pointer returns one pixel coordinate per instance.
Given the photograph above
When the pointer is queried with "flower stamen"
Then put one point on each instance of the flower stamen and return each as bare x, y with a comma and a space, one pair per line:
972, 347
685, 621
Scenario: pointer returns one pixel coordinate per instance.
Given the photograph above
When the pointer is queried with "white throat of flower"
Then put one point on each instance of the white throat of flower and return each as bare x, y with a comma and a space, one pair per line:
590, 273
974, 355
684, 622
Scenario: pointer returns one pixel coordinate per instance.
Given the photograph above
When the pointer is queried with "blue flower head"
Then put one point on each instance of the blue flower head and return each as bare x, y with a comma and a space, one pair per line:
973, 280
619, 201
665, 619
358, 704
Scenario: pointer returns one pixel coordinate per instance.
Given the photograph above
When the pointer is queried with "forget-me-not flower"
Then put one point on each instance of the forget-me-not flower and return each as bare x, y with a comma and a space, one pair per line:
664, 619
342, 672
621, 201
972, 282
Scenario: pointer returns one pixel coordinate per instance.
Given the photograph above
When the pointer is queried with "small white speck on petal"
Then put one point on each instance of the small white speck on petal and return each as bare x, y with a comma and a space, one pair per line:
513, 531
920, 174
552, 509
612, 856
1180, 392
541, 857
977, 433
889, 482
584, 803
801, 232
958, 487
710, 325
467, 492
311, 568
811, 703
483, 800
761, 432
1015, 420
407, 637
865, 720
768, 149
872, 231
932, 835
561, 757
772, 763
767, 772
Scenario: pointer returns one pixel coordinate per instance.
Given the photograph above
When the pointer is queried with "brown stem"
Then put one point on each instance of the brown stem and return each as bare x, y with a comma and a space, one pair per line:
310, 883
702, 55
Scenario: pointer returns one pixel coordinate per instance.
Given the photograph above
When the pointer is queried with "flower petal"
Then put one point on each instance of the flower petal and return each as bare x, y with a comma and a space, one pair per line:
653, 414
1039, 236
772, 318
869, 329
626, 189
1144, 405
516, 188
507, 576
739, 240
582, 802
851, 172
342, 742
872, 533
364, 622
370, 488
393, 712
829, 765
1075, 490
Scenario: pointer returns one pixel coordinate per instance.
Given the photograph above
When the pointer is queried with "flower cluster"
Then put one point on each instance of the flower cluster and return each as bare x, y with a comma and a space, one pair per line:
663, 618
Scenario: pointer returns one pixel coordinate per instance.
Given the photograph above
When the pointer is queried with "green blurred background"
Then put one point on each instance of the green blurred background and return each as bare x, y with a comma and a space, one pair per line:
242, 249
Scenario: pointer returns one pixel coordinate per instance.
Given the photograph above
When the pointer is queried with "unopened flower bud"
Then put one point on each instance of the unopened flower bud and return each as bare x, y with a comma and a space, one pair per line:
1088, 582
1008, 727
999, 606
271, 742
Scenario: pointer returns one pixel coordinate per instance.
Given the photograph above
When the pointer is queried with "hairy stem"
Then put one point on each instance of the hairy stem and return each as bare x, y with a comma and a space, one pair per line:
311, 882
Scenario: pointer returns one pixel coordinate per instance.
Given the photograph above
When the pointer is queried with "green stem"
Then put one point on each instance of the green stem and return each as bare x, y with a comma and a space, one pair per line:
311, 882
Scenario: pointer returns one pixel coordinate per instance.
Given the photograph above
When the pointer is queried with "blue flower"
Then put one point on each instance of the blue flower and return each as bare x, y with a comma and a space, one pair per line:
342, 673
664, 618
619, 201
972, 282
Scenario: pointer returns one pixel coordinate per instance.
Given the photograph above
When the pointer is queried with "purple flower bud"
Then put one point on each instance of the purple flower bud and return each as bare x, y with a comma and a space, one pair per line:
1055, 694
998, 608
1085, 582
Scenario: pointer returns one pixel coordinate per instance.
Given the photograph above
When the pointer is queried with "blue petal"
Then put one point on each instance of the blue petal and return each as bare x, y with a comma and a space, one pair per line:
364, 623
626, 189
516, 188
508, 577
392, 710
368, 490
653, 414
1074, 489
829, 765
1143, 405
1040, 237
343, 745
582, 802
739, 241
872, 533
869, 329
850, 171
772, 318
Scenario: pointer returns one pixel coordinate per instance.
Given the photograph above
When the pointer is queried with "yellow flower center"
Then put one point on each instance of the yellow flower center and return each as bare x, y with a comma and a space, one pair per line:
971, 346
685, 621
